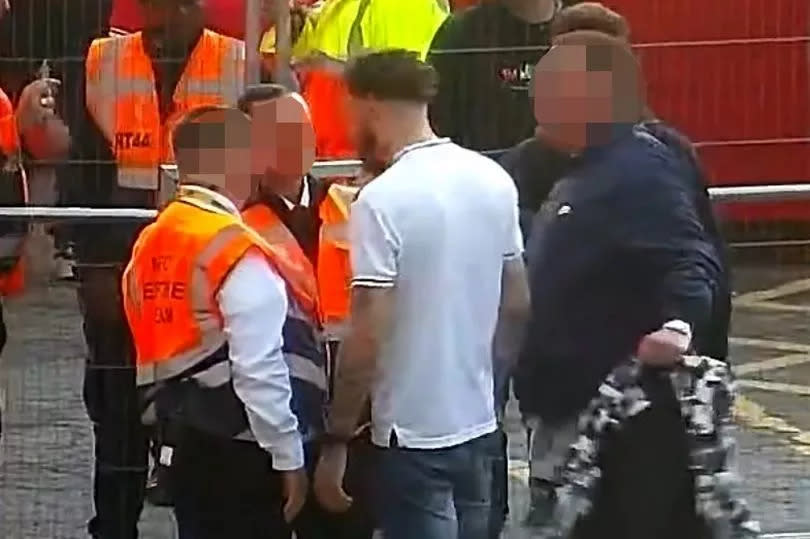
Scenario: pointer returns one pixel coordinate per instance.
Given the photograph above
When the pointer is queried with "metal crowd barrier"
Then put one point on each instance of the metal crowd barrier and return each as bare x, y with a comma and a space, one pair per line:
745, 193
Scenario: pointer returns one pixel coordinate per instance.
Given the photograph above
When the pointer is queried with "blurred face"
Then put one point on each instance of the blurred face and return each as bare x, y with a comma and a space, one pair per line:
574, 97
284, 147
224, 163
170, 26
366, 126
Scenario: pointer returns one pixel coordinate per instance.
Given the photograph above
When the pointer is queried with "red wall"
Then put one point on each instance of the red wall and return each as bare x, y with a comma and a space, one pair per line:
744, 91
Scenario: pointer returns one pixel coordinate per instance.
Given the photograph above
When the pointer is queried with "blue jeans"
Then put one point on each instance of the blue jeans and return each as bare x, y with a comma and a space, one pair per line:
437, 493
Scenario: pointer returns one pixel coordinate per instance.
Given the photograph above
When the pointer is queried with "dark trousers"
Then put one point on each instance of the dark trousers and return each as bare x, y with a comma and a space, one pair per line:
499, 510
109, 394
646, 489
436, 493
225, 489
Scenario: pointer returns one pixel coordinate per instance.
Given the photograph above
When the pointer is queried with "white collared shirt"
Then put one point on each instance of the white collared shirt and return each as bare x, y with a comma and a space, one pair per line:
304, 200
253, 303
436, 225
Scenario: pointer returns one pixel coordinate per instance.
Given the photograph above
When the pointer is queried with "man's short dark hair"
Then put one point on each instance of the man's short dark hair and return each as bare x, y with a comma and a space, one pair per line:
392, 75
260, 92
226, 127
592, 16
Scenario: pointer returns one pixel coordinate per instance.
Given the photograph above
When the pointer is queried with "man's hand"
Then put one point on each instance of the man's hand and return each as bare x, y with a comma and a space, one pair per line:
663, 348
37, 103
296, 488
43, 132
329, 479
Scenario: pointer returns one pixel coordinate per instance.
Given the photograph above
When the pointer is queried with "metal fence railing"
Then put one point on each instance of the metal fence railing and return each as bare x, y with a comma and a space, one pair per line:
743, 193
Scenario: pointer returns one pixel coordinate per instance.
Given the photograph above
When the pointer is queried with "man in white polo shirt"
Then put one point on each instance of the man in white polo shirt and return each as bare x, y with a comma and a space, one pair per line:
436, 258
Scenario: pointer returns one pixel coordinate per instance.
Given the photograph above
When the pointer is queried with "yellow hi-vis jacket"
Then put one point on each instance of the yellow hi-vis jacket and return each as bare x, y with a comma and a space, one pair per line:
342, 28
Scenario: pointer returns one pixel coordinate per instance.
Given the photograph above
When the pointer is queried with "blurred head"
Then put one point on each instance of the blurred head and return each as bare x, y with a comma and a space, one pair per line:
212, 149
171, 26
284, 139
587, 88
591, 16
389, 92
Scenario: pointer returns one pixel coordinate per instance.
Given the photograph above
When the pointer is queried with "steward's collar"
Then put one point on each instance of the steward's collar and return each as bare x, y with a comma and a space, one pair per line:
207, 199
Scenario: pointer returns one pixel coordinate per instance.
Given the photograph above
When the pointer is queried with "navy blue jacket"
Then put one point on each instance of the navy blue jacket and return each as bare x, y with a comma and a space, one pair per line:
617, 250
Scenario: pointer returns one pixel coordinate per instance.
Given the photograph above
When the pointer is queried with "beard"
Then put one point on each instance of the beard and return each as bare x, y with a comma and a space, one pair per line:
367, 150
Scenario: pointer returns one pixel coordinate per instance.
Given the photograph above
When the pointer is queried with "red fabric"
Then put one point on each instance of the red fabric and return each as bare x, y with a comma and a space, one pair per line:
9, 141
754, 88
13, 282
223, 16
463, 4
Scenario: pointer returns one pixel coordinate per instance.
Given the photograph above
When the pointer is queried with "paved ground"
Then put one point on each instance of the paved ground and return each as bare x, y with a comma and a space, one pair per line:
45, 452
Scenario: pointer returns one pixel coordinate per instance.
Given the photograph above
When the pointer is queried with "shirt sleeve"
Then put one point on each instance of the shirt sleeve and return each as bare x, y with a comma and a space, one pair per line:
374, 247
253, 302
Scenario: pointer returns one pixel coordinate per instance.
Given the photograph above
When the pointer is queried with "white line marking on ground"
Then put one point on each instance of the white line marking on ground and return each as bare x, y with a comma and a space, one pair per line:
778, 387
785, 289
756, 417
781, 346
772, 364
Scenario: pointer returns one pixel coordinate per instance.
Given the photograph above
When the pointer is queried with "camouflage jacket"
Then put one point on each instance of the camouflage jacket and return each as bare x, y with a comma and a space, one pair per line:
705, 389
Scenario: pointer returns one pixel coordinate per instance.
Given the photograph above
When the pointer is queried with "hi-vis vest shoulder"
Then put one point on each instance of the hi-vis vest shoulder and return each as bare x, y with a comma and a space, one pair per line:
122, 99
334, 267
344, 29
13, 192
303, 349
178, 265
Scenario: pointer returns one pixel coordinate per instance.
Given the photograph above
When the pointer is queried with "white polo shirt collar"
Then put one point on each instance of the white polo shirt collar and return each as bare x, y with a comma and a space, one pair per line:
436, 141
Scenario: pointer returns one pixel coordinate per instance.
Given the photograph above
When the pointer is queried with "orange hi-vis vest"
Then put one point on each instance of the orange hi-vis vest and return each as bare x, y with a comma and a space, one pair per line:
334, 265
260, 218
12, 235
122, 98
325, 92
178, 265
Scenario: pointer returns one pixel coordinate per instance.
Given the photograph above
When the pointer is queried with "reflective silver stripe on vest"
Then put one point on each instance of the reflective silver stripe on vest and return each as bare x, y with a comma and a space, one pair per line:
113, 86
139, 178
305, 370
217, 375
212, 335
302, 367
108, 86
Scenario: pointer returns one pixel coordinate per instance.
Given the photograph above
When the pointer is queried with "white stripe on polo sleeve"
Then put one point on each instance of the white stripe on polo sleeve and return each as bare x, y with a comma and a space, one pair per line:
374, 247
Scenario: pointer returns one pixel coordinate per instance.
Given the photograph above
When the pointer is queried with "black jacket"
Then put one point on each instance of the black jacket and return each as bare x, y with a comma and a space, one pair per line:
617, 250
483, 101
536, 168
